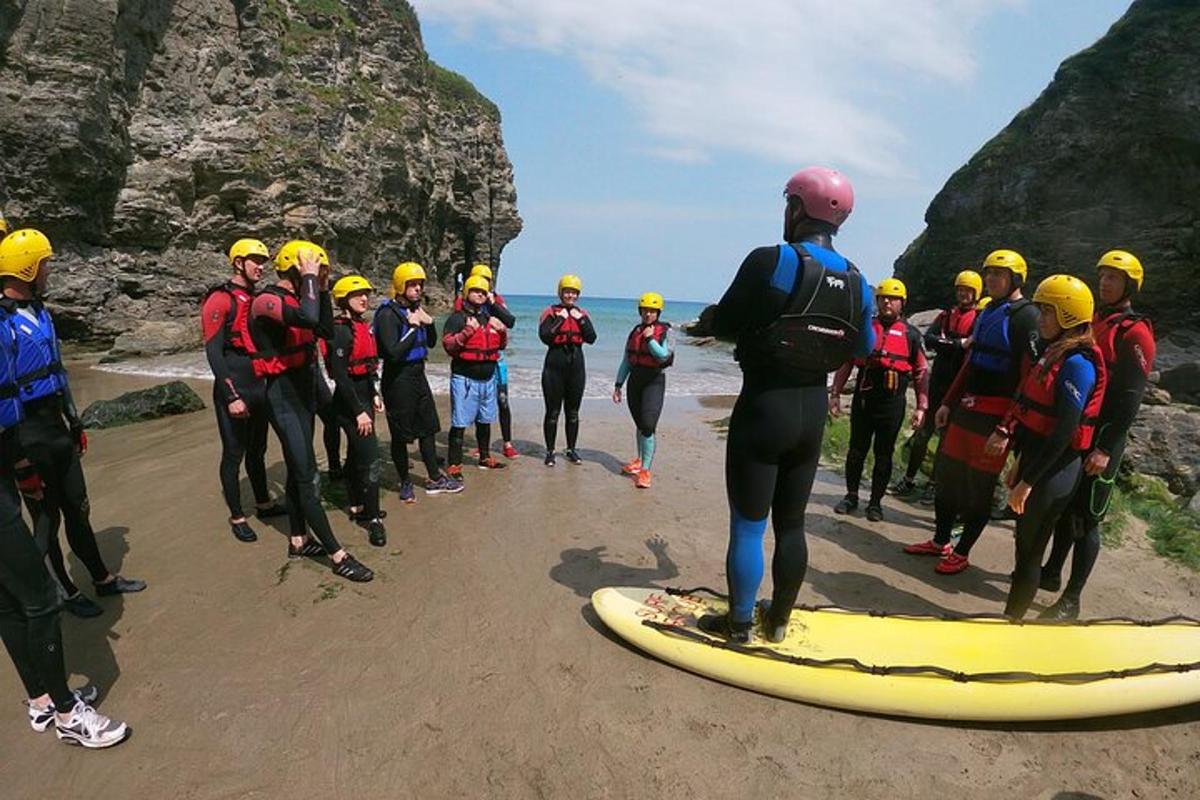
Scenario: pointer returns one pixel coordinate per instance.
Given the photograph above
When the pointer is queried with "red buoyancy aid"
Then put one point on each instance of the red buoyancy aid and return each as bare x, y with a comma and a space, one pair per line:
364, 355
237, 321
569, 332
637, 347
958, 322
892, 349
297, 347
484, 344
1035, 403
1111, 328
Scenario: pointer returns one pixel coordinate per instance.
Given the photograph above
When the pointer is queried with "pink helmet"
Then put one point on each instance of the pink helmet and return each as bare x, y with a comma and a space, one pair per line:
826, 193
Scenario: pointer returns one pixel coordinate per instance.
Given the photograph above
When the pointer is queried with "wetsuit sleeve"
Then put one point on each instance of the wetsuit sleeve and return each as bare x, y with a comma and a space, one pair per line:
587, 329
1072, 387
392, 345
501, 312
920, 368
69, 409
212, 321
935, 338
866, 335
325, 315
1126, 386
1023, 338
660, 350
338, 364
548, 326
454, 338
738, 306
623, 371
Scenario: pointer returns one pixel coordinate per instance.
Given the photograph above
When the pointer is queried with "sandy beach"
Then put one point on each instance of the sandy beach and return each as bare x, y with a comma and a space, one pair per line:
473, 666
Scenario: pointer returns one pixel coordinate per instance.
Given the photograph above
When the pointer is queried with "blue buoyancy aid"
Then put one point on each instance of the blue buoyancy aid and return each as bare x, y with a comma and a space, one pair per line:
420, 349
40, 371
991, 348
12, 410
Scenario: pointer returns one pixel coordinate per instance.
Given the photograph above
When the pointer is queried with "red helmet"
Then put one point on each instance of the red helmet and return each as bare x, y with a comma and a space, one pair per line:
826, 193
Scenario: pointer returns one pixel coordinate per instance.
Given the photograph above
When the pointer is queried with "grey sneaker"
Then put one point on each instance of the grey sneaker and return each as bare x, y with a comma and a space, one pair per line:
40, 718
91, 729
443, 485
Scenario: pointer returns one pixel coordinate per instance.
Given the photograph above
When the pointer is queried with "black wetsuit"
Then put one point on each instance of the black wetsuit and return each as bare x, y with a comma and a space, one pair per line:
29, 601
564, 378
411, 411
243, 439
331, 429
775, 434
354, 395
292, 403
1052, 467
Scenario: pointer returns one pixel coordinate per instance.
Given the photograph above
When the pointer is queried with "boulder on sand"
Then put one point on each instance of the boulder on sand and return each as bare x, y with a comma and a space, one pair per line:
164, 400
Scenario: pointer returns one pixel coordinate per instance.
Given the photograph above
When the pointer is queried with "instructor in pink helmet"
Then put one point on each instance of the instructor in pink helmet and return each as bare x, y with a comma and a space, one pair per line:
798, 311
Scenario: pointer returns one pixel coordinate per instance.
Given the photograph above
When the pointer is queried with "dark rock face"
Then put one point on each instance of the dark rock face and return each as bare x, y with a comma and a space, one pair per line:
1162, 442
164, 400
145, 136
1107, 157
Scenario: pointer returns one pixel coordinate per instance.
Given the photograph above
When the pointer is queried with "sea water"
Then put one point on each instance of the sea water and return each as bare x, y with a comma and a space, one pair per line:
707, 370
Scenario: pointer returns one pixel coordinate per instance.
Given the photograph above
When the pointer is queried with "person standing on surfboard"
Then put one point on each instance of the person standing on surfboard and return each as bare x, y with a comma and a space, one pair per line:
648, 353
1004, 345
1127, 341
877, 410
798, 311
1050, 427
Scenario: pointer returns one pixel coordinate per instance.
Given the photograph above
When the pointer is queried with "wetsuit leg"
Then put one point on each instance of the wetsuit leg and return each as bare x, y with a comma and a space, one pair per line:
919, 444
861, 432
553, 388
429, 457
256, 453
456, 445
889, 419
354, 485
770, 461
972, 529
29, 606
1045, 505
505, 411
944, 517
1087, 550
399, 449
576, 382
483, 438
235, 439
1064, 541
76, 519
362, 464
646, 394
292, 417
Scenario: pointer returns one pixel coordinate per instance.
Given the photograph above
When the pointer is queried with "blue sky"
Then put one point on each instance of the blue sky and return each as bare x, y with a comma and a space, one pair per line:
651, 141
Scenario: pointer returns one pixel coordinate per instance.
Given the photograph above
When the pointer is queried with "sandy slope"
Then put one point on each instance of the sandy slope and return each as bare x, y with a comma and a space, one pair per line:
474, 667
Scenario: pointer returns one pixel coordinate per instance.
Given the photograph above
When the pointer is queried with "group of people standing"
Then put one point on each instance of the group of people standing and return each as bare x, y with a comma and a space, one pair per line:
42, 442
266, 348
1049, 385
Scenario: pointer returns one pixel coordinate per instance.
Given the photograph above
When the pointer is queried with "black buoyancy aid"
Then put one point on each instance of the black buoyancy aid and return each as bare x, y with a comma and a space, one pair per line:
569, 333
637, 347
296, 349
892, 348
237, 324
819, 326
364, 354
1035, 406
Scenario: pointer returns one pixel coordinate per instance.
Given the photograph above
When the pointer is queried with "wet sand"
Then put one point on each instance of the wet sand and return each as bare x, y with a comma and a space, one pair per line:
473, 666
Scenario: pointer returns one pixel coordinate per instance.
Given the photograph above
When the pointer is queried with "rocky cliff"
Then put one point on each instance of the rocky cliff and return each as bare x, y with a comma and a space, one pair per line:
1108, 156
144, 136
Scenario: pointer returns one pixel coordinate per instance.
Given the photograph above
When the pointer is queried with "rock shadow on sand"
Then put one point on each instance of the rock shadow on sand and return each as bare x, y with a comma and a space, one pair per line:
585, 570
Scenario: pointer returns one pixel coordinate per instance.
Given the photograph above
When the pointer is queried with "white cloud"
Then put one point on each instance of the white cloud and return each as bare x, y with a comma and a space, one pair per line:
791, 81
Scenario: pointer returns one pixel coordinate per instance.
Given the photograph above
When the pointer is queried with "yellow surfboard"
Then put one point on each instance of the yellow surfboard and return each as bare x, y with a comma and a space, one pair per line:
974, 668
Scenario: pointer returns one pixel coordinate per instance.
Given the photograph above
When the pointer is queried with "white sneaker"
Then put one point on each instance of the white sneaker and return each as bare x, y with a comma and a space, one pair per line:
90, 728
40, 718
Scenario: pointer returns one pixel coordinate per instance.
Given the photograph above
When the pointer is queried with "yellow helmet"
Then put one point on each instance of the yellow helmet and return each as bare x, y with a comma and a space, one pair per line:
892, 287
22, 253
349, 285
570, 282
1071, 298
1125, 262
475, 282
248, 247
289, 255
1010, 260
651, 300
403, 273
984, 302
971, 279
482, 269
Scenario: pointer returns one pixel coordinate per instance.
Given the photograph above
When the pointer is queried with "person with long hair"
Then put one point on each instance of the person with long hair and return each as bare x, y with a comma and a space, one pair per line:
1050, 426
